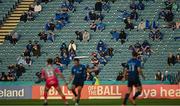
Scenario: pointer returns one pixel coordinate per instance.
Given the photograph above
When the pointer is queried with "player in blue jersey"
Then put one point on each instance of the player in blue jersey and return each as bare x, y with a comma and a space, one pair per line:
133, 70
78, 76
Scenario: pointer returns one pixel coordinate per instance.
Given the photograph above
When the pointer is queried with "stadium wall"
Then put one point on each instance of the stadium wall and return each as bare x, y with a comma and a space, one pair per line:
91, 92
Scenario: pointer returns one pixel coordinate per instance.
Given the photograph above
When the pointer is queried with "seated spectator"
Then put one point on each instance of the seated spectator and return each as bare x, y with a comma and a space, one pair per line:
13, 37
122, 36
168, 4
159, 76
24, 17
101, 47
3, 76
72, 46
27, 53
133, 5
110, 52
39, 79
155, 34
141, 25
59, 65
30, 15
166, 76
93, 26
120, 76
31, 8
123, 14
155, 25
171, 59
51, 37
43, 36
50, 26
86, 36
72, 54
140, 5
92, 15
12, 69
169, 16
129, 24
98, 6
162, 14
60, 25
178, 58
36, 50
28, 61
11, 77
134, 15
63, 50
100, 26
115, 35
79, 35
37, 8
29, 46
20, 60
20, 70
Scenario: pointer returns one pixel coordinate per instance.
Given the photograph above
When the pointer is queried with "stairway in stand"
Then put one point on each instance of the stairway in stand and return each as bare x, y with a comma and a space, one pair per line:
13, 19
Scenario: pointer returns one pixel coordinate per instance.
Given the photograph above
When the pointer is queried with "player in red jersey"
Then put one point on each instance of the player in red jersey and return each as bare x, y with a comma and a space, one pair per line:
49, 73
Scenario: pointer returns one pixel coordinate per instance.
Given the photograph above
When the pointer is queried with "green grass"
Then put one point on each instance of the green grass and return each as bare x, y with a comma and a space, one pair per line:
93, 102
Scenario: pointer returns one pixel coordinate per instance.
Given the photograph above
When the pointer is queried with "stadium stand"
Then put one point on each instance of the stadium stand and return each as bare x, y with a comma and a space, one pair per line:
109, 72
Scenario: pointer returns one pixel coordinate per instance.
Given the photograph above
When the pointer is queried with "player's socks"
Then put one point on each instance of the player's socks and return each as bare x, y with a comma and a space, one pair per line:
126, 99
136, 94
45, 95
74, 92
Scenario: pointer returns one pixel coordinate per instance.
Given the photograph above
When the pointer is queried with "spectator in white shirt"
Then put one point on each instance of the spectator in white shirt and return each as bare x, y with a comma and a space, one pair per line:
72, 46
37, 8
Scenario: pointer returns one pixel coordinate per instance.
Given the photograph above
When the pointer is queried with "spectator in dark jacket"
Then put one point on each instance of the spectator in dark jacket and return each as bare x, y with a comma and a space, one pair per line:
169, 16
98, 6
171, 59
122, 36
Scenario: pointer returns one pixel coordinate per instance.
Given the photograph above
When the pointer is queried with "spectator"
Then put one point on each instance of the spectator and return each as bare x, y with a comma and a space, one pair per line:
63, 50
178, 58
31, 8
43, 36
93, 26
169, 16
86, 36
101, 26
28, 61
133, 5
171, 59
51, 37
11, 77
37, 8
141, 25
110, 52
39, 79
72, 46
122, 36
30, 15
155, 34
14, 37
115, 35
29, 46
147, 24
79, 35
98, 6
159, 76
20, 60
166, 76
60, 25
20, 70
168, 4
27, 53
129, 24
36, 50
3, 76
24, 17
50, 26
119, 77
140, 5
101, 47
162, 14
57, 62
134, 15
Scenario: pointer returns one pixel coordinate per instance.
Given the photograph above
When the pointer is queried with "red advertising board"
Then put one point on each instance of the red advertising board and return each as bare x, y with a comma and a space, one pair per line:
112, 92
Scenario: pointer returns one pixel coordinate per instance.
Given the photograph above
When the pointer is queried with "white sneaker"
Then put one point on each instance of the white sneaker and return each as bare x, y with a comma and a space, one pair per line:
76, 104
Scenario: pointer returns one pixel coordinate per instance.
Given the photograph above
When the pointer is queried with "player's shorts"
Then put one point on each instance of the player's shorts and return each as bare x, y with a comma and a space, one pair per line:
78, 83
136, 83
52, 83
